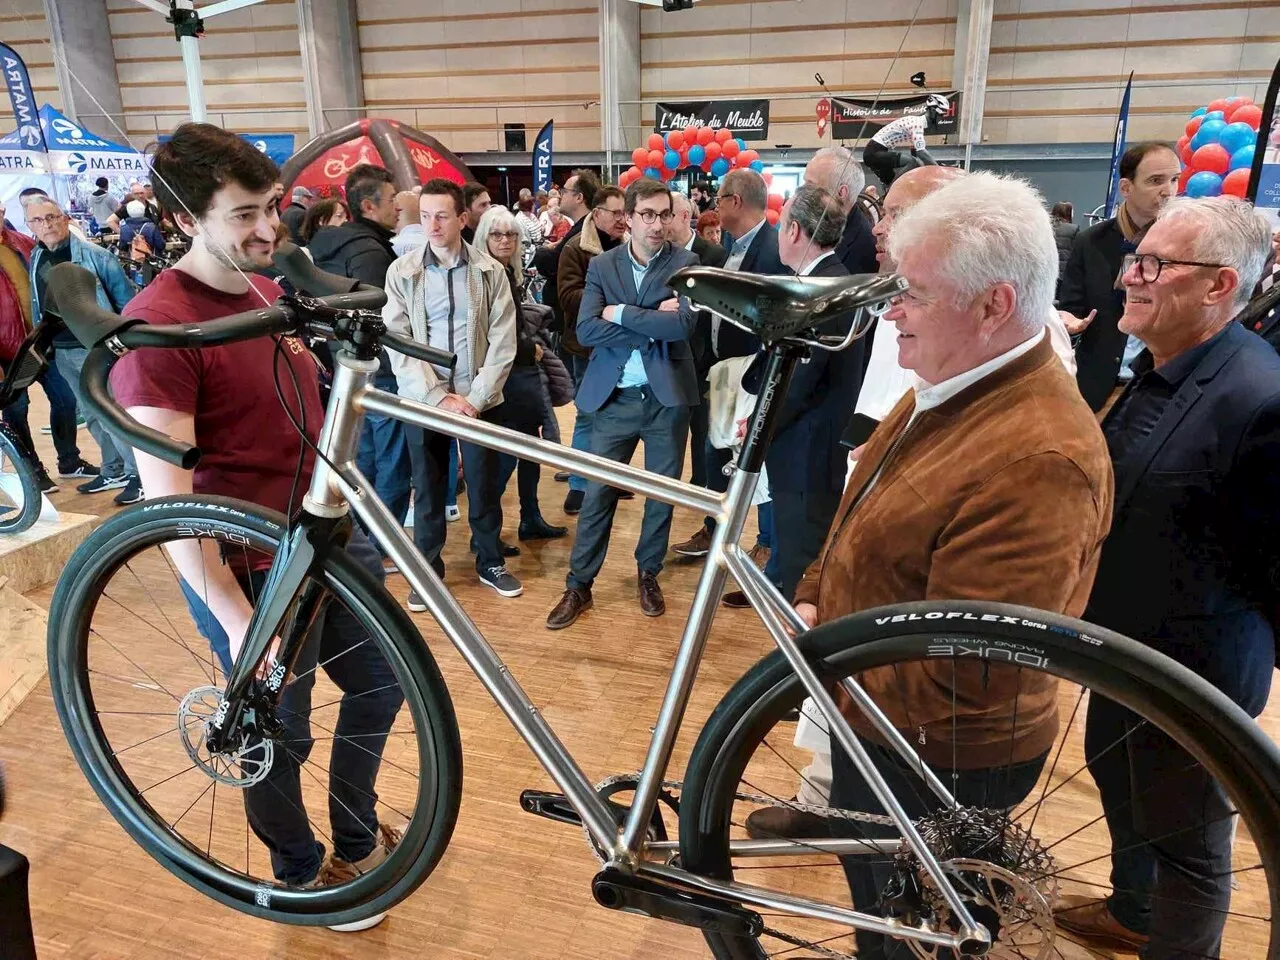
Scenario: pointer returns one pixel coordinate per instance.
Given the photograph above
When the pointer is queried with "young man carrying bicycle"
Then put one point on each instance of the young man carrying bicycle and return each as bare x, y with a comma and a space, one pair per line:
224, 400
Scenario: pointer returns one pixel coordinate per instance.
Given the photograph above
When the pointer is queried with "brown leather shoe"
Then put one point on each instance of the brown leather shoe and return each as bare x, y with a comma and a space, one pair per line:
652, 603
770, 823
759, 555
1089, 919
572, 605
699, 545
736, 600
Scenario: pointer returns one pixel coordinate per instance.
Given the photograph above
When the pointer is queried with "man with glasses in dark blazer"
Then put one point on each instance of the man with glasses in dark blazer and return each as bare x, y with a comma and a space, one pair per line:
640, 384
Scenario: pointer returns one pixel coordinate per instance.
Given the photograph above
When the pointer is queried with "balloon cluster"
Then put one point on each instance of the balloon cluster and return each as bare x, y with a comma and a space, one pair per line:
714, 151
1217, 149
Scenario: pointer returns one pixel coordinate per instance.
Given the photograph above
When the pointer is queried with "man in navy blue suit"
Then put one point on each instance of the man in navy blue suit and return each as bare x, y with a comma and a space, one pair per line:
1191, 567
640, 384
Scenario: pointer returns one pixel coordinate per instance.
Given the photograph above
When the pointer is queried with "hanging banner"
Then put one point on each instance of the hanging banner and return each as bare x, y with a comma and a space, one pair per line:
1264, 179
858, 118
747, 119
542, 157
25, 111
1117, 148
277, 146
823, 113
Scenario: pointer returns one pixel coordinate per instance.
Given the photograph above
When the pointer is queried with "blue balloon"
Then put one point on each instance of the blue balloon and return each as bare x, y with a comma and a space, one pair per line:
1209, 132
720, 167
1199, 111
652, 173
1204, 184
1236, 135
1242, 158
1215, 115
742, 144
671, 160
697, 153
757, 166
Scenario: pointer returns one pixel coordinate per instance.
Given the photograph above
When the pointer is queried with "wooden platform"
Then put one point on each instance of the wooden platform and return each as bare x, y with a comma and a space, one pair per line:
511, 887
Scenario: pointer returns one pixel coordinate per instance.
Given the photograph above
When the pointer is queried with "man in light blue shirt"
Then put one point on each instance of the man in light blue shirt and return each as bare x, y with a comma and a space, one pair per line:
640, 384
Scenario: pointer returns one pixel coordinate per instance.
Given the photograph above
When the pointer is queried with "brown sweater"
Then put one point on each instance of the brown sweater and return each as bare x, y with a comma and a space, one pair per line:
571, 279
1001, 493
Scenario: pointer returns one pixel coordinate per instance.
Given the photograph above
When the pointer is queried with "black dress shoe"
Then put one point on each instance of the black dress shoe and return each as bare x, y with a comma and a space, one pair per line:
652, 603
562, 476
626, 495
539, 529
735, 600
507, 549
573, 502
772, 823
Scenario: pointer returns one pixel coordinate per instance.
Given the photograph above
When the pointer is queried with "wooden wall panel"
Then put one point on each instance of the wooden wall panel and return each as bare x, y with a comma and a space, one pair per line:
250, 58
24, 27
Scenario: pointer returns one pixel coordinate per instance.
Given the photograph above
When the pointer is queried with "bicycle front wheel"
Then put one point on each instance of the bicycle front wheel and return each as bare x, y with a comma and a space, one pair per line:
365, 735
19, 488
1030, 845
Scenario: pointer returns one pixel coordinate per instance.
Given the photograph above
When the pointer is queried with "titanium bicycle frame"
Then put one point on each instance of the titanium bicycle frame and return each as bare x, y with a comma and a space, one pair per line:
335, 488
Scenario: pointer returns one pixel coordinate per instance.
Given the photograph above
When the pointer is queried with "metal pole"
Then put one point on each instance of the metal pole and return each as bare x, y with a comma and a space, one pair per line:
608, 88
977, 54
195, 77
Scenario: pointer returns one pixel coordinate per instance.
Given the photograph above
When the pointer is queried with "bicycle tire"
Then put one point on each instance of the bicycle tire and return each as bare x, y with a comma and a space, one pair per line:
24, 515
426, 695
1210, 726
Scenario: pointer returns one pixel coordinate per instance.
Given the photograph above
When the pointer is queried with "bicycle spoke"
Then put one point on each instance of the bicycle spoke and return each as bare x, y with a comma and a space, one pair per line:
208, 847
203, 664
333, 776
172, 639
162, 733
1048, 778
1151, 896
160, 686
1139, 845
174, 826
800, 843
294, 678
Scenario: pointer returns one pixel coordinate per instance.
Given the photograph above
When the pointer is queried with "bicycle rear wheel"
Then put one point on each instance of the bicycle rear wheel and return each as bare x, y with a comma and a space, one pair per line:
1013, 863
134, 682
19, 489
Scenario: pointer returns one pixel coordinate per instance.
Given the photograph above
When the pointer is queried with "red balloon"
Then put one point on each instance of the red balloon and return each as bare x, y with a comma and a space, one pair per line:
1219, 104
667, 174
714, 149
772, 217
640, 157
1213, 157
656, 142
729, 148
1182, 181
675, 139
748, 157
1183, 149
1232, 108
656, 157
724, 135
1250, 114
1236, 182
768, 178
1192, 125
706, 136
775, 202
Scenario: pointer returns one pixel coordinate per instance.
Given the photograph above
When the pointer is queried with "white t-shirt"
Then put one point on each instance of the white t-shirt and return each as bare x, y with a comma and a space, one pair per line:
906, 131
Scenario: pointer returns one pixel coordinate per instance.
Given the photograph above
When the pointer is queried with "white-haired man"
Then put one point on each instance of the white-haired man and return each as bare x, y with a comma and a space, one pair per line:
837, 171
989, 480
1190, 567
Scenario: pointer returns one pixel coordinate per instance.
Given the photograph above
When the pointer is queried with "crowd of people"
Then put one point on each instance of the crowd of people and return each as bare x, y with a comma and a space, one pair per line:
1074, 424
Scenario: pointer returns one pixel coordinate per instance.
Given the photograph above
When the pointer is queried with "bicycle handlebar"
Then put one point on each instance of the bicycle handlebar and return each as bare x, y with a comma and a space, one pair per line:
109, 336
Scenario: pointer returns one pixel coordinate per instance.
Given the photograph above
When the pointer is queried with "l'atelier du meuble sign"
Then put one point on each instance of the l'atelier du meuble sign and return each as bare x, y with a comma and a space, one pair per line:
748, 119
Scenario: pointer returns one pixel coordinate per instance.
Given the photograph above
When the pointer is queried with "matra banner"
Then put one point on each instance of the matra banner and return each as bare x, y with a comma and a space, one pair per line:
747, 119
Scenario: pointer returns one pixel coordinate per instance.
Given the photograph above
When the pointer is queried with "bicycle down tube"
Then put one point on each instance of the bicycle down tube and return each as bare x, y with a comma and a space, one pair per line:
331, 489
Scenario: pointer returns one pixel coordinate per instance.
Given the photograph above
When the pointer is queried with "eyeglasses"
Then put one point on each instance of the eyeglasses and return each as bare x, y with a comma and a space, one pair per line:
648, 216
49, 221
504, 235
616, 214
1149, 265
723, 196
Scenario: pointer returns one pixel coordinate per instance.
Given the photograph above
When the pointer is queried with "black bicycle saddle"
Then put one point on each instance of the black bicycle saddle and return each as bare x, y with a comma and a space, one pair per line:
774, 308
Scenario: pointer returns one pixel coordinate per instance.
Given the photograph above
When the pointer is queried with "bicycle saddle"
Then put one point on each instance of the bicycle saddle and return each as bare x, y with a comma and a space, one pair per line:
774, 308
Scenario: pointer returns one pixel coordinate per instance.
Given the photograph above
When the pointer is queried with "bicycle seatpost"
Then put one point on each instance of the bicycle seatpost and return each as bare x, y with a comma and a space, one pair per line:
780, 363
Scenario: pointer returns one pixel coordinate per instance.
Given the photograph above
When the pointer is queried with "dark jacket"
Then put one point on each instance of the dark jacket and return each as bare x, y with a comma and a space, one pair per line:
360, 249
292, 217
1064, 235
1089, 283
857, 247
571, 280
806, 454
709, 255
1191, 566
762, 257
141, 225
546, 260
662, 337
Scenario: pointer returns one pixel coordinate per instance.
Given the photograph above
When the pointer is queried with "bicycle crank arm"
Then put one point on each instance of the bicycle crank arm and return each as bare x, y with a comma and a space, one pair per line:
552, 806
631, 894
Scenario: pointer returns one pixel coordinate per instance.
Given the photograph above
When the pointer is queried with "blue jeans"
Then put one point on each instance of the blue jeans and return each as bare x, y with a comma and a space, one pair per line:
62, 417
117, 456
582, 421
998, 788
371, 699
383, 456
451, 494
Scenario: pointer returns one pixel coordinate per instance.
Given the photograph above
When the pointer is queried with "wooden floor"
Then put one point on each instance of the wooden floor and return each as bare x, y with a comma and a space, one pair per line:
511, 886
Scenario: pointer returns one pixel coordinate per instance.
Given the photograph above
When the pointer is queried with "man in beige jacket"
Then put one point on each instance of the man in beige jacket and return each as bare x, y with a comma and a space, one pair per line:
453, 297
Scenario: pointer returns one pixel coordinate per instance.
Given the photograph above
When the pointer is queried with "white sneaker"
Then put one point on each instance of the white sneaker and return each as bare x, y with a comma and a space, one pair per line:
452, 513
359, 925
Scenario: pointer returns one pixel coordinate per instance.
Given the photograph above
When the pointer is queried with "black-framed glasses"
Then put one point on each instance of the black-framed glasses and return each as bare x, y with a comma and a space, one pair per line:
616, 214
1149, 265
723, 196
648, 216
45, 221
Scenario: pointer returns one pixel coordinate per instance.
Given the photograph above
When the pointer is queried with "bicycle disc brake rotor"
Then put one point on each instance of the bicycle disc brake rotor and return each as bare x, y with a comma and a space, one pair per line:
248, 764
1003, 875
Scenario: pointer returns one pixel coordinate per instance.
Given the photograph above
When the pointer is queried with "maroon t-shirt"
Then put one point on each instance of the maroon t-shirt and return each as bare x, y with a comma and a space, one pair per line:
249, 449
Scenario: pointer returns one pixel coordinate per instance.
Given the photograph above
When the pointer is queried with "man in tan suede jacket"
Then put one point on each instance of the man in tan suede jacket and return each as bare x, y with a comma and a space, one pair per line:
990, 480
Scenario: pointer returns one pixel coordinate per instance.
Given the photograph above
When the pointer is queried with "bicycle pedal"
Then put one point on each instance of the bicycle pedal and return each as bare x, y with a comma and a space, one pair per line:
552, 806
630, 894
